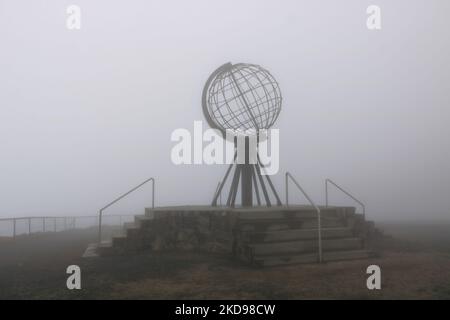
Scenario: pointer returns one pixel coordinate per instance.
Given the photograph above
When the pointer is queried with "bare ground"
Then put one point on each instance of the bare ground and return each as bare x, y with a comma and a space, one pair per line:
34, 267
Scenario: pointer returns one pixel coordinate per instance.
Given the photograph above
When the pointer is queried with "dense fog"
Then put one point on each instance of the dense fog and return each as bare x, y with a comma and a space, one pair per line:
87, 114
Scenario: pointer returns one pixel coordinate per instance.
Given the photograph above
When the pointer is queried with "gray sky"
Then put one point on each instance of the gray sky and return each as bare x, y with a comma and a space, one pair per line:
87, 114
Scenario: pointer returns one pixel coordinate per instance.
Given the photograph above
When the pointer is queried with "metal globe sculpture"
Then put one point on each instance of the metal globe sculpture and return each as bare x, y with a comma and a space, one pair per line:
244, 98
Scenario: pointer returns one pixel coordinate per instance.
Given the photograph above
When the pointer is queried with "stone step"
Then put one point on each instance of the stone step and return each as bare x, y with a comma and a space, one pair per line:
91, 251
105, 244
301, 246
129, 225
292, 208
132, 229
285, 224
312, 258
105, 248
133, 233
119, 241
294, 234
253, 211
274, 215
143, 221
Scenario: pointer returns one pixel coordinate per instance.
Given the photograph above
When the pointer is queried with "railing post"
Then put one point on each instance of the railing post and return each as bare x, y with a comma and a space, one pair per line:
65, 223
100, 226
54, 224
319, 230
153, 193
29, 225
287, 190
14, 228
319, 220
326, 193
43, 224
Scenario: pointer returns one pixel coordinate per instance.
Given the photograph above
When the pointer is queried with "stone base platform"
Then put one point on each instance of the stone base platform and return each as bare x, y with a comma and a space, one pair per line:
260, 236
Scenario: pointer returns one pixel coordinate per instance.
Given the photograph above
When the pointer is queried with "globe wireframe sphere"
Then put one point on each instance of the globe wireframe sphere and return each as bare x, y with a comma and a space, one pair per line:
244, 98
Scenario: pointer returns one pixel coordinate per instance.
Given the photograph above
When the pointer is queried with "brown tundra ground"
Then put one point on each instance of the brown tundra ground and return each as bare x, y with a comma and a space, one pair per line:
415, 264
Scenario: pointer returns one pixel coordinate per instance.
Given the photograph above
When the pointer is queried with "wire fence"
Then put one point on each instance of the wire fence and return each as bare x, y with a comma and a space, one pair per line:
13, 227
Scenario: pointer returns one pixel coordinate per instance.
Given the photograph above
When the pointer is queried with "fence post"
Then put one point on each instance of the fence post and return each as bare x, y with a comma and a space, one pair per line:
287, 190
43, 224
54, 224
153, 193
65, 223
29, 225
14, 228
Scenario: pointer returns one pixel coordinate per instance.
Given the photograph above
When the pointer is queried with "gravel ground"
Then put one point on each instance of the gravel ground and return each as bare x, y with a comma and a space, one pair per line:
34, 267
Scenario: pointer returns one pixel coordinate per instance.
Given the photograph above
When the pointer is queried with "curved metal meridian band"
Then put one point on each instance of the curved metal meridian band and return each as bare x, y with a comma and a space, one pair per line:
211, 122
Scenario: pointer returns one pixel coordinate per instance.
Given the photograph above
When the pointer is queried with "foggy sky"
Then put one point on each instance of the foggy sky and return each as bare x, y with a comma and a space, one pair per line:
85, 115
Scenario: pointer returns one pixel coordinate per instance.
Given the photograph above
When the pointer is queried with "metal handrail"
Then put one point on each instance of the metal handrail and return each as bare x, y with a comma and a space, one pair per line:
345, 192
120, 198
69, 221
319, 223
60, 217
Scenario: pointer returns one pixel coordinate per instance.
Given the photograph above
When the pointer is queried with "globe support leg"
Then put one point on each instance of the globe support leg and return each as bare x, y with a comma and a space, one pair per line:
248, 176
246, 184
